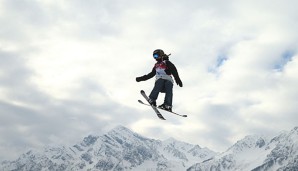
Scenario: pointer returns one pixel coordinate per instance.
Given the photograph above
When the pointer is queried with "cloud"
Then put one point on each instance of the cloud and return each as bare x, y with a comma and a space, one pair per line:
32, 117
69, 68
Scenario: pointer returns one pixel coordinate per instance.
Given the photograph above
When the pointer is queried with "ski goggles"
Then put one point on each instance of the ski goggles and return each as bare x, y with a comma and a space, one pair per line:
155, 56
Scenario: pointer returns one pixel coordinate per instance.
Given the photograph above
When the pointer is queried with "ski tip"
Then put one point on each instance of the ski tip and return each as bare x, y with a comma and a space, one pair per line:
184, 115
142, 91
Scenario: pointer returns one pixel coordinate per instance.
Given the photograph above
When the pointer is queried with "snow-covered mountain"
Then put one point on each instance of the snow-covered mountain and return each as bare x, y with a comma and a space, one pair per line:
122, 149
119, 149
257, 153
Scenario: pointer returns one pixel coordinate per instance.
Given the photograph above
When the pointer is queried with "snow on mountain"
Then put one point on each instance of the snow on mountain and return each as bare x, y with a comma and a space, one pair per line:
257, 153
184, 151
123, 149
119, 149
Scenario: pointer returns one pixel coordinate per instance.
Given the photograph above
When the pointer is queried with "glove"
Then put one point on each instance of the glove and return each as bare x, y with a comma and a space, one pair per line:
179, 82
138, 79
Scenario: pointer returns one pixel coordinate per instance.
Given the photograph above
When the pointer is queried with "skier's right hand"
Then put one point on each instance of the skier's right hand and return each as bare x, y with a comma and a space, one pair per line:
138, 79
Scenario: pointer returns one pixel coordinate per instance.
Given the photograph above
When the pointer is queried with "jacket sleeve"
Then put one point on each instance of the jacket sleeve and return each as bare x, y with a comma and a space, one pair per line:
148, 76
173, 70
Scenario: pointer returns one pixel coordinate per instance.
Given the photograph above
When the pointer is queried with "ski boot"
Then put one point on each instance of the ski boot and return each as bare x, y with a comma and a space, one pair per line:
166, 107
152, 102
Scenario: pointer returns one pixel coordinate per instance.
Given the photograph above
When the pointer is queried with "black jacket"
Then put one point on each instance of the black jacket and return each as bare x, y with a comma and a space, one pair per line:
170, 70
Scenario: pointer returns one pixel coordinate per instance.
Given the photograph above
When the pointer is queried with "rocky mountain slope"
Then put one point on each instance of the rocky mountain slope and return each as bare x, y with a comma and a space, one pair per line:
257, 153
119, 149
122, 149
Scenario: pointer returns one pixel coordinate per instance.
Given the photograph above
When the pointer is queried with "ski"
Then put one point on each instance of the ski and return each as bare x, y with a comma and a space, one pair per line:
159, 115
140, 101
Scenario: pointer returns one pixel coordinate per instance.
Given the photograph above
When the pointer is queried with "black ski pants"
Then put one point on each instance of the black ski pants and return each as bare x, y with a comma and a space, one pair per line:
165, 86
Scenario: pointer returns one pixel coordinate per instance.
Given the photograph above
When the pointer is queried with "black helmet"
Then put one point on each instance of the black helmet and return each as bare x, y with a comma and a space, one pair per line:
158, 53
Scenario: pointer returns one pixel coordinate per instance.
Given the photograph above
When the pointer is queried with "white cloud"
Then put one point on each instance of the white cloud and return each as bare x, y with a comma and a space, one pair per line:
72, 64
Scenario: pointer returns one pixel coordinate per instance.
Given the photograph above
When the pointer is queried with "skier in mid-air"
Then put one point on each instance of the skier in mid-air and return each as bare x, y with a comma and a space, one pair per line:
163, 70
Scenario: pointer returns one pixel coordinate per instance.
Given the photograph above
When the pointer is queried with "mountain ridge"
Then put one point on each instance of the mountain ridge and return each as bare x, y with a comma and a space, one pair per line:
257, 153
123, 149
118, 149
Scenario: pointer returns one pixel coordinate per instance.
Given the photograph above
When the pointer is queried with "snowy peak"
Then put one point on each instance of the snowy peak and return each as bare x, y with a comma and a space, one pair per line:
120, 130
257, 153
286, 136
118, 149
283, 152
123, 149
185, 151
123, 134
249, 142
173, 143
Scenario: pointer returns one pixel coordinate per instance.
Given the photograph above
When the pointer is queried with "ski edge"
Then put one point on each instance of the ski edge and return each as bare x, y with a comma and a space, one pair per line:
159, 115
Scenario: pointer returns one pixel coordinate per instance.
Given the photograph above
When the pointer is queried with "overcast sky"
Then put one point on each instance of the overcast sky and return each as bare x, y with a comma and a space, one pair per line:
68, 69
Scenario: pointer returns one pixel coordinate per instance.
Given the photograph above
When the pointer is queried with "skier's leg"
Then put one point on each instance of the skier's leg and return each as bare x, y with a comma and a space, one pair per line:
156, 89
169, 93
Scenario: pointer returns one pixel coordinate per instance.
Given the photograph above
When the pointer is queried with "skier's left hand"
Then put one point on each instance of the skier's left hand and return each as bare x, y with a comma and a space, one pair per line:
179, 82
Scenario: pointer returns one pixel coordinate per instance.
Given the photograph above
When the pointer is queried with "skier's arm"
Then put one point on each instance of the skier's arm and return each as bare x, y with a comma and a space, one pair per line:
174, 71
146, 77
